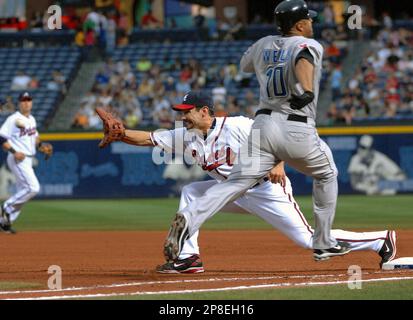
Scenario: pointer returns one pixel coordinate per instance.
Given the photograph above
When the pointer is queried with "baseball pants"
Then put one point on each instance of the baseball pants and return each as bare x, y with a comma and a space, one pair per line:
272, 138
27, 185
276, 205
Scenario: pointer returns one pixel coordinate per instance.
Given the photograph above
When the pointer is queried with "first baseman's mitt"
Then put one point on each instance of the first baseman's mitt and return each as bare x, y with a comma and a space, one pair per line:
113, 128
47, 149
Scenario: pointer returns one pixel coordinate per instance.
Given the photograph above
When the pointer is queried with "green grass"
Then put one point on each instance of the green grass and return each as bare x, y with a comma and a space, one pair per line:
354, 212
394, 290
19, 285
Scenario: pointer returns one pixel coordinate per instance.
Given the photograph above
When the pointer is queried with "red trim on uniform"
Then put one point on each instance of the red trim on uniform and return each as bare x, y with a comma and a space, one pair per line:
298, 211
220, 130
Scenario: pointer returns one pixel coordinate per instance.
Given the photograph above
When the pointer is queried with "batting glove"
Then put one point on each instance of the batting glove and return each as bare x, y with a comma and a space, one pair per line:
299, 102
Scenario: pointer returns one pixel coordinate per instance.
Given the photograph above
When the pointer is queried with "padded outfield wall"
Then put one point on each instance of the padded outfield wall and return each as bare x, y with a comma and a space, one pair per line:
371, 160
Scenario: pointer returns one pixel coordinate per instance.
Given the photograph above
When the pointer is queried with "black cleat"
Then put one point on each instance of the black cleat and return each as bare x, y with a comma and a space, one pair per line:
177, 235
6, 228
340, 249
192, 264
6, 225
388, 250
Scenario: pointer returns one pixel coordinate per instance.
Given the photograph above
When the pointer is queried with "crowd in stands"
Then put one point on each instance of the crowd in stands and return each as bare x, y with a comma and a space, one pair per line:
22, 81
382, 87
148, 102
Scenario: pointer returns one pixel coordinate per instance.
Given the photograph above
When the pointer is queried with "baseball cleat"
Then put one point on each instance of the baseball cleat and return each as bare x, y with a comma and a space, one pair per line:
389, 249
6, 228
6, 225
340, 249
177, 235
192, 264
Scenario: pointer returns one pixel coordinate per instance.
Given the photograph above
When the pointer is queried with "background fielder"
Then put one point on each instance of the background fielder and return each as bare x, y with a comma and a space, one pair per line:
19, 137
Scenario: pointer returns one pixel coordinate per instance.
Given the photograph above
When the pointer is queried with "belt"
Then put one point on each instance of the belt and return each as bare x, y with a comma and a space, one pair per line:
260, 182
291, 117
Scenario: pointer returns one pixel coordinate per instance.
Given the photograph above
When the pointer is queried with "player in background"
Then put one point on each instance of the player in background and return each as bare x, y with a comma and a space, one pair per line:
288, 68
20, 138
213, 143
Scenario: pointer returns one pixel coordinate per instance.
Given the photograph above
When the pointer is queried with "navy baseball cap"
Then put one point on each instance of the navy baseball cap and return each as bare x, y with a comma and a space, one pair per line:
194, 99
24, 96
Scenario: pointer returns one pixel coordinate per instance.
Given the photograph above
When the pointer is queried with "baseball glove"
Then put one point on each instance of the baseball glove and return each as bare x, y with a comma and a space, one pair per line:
113, 128
47, 149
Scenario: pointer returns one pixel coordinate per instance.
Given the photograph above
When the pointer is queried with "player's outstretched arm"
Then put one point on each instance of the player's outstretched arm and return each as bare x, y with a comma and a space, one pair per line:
138, 138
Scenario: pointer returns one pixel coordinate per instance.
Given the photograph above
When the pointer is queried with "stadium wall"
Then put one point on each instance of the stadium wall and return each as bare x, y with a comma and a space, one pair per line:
370, 160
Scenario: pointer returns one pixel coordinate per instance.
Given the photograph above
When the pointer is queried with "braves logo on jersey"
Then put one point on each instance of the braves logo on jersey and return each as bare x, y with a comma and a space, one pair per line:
225, 155
28, 131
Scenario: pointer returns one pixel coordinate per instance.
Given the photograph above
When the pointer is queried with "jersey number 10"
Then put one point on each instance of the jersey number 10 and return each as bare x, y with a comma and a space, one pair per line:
275, 83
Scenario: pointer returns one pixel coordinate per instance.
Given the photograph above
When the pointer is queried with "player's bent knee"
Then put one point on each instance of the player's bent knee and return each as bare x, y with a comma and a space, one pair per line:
34, 189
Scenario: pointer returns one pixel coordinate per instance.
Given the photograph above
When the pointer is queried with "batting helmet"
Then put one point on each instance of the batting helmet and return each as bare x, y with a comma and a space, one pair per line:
289, 12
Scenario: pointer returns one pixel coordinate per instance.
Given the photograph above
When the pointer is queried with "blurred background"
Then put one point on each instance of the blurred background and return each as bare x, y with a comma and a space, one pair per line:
138, 57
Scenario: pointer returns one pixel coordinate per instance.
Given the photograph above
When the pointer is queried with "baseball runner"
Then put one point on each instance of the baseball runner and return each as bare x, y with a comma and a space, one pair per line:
20, 138
288, 68
213, 143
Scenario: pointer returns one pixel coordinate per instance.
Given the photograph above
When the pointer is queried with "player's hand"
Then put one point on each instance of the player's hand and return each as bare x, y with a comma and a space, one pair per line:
19, 156
277, 174
299, 102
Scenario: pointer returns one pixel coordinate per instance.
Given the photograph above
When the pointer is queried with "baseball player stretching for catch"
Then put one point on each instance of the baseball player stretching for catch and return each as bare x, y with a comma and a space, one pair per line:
288, 68
213, 144
20, 139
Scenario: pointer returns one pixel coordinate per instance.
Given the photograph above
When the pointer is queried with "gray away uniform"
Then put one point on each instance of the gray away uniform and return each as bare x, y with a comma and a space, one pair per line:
283, 134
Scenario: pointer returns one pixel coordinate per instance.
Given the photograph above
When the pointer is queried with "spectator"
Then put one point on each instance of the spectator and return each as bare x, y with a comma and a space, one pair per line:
149, 21
37, 21
111, 34
235, 30
199, 24
132, 119
20, 81
328, 14
219, 93
145, 89
220, 110
182, 87
143, 64
8, 106
81, 120
34, 83
387, 21
80, 38
57, 82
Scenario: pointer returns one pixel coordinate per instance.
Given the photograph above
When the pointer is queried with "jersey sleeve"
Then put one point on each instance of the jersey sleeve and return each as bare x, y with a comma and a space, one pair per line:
6, 129
169, 140
247, 60
311, 46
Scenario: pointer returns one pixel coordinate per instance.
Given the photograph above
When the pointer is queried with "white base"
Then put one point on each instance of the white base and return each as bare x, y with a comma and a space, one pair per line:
400, 263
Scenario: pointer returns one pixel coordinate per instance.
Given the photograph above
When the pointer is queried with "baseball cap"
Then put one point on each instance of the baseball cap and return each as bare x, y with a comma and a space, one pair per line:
25, 96
194, 99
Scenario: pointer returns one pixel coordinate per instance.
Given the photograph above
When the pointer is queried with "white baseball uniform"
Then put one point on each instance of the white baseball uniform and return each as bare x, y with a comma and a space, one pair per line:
21, 132
271, 202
